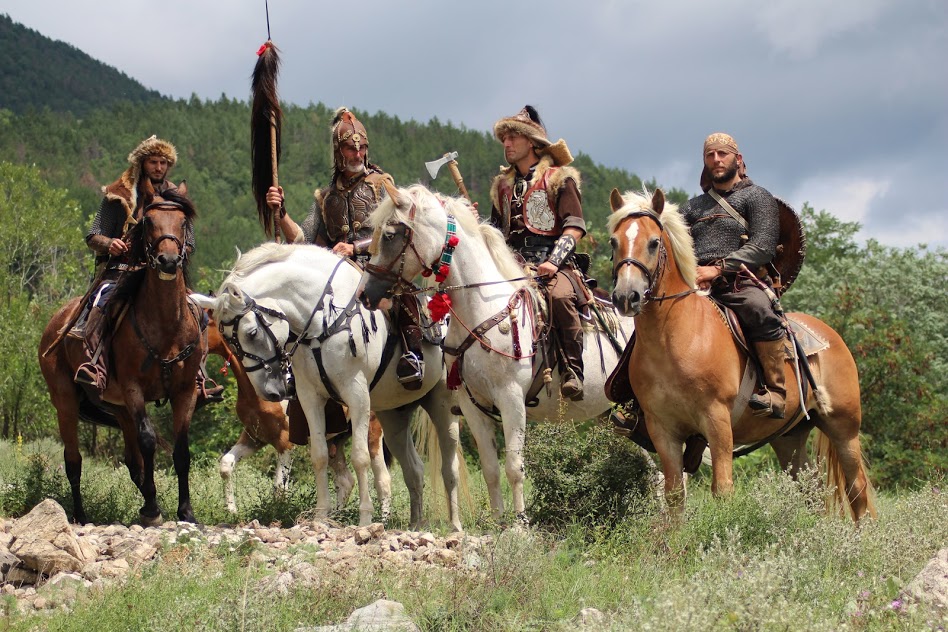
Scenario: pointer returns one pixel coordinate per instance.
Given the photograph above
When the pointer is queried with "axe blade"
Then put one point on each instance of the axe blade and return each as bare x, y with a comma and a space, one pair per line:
434, 166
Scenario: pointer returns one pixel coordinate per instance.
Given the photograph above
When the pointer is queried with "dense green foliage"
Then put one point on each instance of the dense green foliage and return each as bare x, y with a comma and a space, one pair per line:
40, 73
584, 475
890, 305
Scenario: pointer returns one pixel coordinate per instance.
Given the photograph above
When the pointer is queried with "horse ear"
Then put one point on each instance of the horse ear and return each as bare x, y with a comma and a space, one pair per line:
658, 201
207, 302
615, 200
183, 187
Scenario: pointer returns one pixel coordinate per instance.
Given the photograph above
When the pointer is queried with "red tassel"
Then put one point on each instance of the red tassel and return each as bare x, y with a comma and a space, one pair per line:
224, 368
454, 377
426, 273
439, 306
263, 47
454, 241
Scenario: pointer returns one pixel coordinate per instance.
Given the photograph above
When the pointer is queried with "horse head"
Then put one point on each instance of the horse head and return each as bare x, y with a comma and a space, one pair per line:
643, 230
407, 241
164, 232
257, 334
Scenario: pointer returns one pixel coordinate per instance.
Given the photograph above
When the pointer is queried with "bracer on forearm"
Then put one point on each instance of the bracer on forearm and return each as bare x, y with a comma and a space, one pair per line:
562, 250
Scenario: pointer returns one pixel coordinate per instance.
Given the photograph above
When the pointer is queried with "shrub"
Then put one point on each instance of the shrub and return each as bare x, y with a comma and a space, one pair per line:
584, 474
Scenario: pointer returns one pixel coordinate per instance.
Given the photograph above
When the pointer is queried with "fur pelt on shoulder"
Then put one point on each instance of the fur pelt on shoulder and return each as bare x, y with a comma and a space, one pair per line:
557, 178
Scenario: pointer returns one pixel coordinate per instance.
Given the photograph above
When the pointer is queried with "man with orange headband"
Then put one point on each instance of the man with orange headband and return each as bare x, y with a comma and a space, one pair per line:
736, 223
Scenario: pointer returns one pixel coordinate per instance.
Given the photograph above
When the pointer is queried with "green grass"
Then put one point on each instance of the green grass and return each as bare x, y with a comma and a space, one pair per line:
766, 559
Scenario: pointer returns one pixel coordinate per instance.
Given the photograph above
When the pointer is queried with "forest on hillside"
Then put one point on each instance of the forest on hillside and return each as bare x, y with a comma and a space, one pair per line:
39, 73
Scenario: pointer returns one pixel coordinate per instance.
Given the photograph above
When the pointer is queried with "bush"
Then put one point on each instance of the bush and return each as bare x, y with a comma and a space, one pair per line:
584, 474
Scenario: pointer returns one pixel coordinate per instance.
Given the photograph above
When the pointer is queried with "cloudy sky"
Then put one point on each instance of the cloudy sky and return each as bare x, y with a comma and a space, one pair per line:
833, 102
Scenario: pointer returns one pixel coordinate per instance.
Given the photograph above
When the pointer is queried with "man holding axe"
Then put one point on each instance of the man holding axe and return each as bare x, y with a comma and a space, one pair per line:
537, 205
338, 220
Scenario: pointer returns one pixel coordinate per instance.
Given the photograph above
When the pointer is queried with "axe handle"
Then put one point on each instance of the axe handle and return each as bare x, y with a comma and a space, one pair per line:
458, 180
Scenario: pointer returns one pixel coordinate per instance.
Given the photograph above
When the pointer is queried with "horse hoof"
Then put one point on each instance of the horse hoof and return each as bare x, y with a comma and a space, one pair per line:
150, 521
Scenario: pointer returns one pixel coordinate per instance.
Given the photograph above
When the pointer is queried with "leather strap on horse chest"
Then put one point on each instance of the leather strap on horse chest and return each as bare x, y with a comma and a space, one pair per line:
478, 332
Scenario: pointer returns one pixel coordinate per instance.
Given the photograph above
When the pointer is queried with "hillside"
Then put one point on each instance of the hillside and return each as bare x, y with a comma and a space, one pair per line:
37, 72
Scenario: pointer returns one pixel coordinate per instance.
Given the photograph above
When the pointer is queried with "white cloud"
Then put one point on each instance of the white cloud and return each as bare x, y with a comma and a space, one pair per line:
799, 28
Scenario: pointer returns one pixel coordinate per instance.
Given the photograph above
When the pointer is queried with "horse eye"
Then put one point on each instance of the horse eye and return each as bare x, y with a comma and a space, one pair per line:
252, 333
613, 243
653, 244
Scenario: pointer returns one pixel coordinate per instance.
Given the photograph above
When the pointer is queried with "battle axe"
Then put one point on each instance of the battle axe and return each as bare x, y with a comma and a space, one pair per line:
449, 159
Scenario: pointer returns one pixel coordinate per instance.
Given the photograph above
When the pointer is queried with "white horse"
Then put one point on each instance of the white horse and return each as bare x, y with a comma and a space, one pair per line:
492, 330
284, 303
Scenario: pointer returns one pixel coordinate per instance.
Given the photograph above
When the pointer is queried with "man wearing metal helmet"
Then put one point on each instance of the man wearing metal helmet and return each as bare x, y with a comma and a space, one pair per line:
120, 209
537, 205
735, 223
338, 220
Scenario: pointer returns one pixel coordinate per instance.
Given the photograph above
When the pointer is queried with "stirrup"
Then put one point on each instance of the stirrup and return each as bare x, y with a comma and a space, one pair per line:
412, 363
88, 374
761, 407
572, 387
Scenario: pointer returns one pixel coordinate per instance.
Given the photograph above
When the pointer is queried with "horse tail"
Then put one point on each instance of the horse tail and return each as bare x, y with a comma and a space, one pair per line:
824, 404
838, 502
430, 453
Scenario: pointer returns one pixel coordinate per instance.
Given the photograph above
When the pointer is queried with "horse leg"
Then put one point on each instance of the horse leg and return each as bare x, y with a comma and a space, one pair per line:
840, 448
284, 464
672, 459
182, 408
150, 513
359, 418
721, 444
314, 408
438, 407
68, 415
341, 475
132, 454
245, 446
514, 414
791, 450
398, 437
380, 473
482, 428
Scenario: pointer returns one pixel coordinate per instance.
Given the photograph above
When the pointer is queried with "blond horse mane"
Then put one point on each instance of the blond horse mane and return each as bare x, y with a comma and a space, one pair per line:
679, 235
388, 212
269, 252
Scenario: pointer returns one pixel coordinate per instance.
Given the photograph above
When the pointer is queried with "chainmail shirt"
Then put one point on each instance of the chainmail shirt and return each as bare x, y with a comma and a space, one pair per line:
717, 236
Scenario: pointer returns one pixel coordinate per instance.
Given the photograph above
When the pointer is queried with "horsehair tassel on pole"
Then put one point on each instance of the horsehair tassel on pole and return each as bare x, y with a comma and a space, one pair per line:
266, 122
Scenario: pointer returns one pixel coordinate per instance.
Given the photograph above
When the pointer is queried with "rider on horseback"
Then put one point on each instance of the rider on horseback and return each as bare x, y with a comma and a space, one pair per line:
120, 209
337, 220
736, 223
537, 205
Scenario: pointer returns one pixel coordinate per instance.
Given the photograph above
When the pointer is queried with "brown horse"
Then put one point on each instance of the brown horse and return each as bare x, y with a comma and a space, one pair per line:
157, 349
266, 423
686, 368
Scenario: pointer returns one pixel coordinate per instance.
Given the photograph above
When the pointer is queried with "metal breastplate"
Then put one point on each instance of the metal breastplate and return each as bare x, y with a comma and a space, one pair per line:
346, 212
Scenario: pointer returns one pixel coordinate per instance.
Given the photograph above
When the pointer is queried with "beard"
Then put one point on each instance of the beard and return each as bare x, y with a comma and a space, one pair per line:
353, 168
727, 176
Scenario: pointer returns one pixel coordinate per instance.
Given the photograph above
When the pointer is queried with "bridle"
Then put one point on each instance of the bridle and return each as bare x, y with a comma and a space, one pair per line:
151, 247
650, 275
280, 358
400, 284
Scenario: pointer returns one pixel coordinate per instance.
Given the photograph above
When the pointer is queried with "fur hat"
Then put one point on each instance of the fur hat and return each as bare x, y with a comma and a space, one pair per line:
347, 129
527, 122
125, 189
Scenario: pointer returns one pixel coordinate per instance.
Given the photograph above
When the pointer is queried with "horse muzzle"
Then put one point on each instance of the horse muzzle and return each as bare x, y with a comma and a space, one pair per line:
628, 303
374, 293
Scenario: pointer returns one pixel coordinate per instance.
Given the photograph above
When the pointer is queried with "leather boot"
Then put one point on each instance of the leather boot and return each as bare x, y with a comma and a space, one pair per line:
572, 385
411, 366
773, 358
77, 330
92, 372
205, 395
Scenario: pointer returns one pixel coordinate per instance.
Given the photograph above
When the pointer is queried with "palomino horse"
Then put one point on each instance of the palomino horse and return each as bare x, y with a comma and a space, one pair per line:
285, 302
266, 423
686, 368
158, 348
490, 305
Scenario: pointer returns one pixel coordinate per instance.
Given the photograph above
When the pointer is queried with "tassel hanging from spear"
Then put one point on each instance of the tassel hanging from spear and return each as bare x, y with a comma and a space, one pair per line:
266, 122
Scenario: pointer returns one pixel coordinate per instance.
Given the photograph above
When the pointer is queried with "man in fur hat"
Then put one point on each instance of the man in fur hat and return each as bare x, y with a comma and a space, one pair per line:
338, 220
121, 208
736, 222
537, 204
